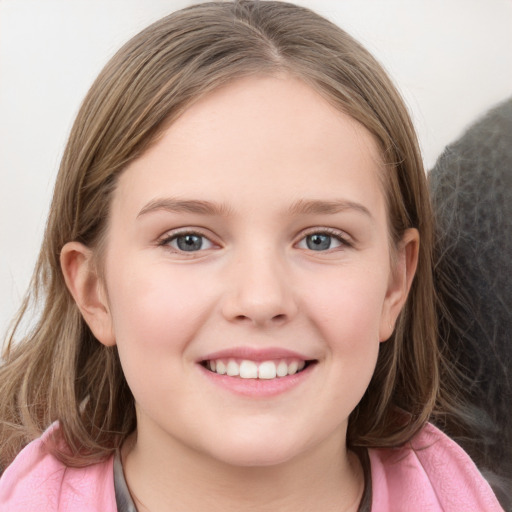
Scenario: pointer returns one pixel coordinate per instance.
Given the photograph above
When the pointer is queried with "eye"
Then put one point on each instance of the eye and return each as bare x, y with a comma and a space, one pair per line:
322, 241
187, 242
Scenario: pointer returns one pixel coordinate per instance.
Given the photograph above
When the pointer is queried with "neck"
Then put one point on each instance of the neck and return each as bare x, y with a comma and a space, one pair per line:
174, 477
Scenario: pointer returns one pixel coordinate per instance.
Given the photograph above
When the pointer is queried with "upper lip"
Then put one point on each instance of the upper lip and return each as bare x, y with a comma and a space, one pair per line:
255, 354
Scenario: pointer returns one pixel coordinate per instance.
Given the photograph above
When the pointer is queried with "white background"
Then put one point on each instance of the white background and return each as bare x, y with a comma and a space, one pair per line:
452, 60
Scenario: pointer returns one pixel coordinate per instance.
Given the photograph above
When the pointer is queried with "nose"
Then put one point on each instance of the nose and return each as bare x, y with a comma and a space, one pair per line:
259, 292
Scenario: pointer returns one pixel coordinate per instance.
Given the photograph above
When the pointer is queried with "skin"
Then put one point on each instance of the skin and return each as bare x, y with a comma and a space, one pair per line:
258, 148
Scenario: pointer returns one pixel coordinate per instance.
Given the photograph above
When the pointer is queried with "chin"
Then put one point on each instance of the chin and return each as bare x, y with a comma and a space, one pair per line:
255, 451
254, 458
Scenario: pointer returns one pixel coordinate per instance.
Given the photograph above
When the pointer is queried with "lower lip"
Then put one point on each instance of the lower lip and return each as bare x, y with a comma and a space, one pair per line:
258, 388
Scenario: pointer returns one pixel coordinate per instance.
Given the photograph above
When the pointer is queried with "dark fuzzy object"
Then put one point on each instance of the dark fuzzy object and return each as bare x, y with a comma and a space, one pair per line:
471, 187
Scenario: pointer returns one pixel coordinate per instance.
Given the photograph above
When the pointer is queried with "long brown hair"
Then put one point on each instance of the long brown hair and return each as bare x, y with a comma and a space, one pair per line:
59, 371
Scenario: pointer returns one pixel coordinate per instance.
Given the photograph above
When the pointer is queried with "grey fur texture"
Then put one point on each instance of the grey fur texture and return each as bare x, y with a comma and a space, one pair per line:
471, 186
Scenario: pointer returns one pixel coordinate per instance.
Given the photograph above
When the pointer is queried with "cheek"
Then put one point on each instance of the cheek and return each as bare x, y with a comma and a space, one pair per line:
155, 316
346, 306
154, 308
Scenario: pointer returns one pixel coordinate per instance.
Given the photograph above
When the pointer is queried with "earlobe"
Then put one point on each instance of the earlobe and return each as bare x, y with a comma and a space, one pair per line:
400, 282
85, 286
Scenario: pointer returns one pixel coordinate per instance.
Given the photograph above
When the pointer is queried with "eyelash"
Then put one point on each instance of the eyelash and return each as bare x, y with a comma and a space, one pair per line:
331, 232
167, 239
334, 233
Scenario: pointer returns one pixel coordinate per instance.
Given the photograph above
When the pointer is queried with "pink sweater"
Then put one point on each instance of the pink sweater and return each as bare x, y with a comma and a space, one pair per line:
432, 475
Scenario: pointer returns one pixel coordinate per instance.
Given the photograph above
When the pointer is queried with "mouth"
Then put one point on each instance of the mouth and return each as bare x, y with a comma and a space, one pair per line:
259, 370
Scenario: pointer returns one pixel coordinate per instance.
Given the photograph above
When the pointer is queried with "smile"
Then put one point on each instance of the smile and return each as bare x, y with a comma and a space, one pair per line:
247, 369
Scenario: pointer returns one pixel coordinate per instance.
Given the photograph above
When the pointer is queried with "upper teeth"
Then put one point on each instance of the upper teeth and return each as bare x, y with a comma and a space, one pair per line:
247, 369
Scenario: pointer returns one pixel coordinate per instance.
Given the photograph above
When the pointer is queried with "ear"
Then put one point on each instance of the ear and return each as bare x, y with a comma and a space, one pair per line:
400, 281
87, 289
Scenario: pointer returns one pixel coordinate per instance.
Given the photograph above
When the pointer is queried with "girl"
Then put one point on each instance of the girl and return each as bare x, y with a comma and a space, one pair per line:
238, 308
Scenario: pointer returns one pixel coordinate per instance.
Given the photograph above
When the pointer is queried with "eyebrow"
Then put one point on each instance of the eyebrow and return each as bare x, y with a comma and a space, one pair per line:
315, 207
185, 206
300, 207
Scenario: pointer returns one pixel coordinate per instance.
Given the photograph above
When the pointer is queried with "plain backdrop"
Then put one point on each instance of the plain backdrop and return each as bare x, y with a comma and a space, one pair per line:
451, 59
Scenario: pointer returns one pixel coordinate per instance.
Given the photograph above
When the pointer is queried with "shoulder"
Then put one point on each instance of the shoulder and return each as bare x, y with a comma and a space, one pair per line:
430, 473
37, 481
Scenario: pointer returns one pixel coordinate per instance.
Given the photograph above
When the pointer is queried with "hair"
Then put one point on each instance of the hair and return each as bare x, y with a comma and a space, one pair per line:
59, 371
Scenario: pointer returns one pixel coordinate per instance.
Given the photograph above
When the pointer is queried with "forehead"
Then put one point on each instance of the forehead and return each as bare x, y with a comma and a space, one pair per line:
274, 137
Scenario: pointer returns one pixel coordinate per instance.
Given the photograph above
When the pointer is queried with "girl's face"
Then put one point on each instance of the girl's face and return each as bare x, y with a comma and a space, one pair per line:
252, 239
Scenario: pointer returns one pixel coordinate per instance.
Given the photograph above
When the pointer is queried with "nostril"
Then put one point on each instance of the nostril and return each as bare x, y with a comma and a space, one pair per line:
275, 319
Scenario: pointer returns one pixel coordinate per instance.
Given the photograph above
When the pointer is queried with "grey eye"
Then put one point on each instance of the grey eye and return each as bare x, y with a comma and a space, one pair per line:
189, 242
318, 242
321, 241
